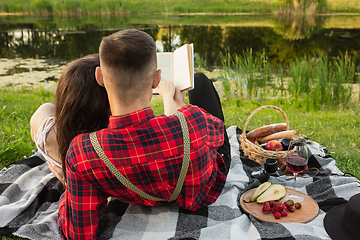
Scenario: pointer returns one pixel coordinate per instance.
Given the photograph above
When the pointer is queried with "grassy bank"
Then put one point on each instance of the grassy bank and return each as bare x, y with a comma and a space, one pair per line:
159, 6
333, 128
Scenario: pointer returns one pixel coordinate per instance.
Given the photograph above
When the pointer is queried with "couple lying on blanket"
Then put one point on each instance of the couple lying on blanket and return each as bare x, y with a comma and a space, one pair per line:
181, 156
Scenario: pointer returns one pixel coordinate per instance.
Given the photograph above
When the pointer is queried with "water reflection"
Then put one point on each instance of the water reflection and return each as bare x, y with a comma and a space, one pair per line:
300, 26
284, 39
16, 70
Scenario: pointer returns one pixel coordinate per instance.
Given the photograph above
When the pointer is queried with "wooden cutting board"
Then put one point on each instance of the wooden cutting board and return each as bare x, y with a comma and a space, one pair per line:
308, 211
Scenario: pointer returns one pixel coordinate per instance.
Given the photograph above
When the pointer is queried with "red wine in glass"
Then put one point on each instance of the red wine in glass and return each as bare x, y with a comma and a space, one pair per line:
296, 164
296, 160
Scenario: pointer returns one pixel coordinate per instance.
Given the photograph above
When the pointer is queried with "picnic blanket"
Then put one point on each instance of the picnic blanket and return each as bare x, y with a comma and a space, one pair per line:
29, 199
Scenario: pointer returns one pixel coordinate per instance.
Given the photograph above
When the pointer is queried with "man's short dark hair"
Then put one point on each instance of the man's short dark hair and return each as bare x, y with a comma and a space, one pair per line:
129, 56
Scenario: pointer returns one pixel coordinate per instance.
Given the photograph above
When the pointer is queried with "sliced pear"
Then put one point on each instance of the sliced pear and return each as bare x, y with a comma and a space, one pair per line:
274, 192
259, 190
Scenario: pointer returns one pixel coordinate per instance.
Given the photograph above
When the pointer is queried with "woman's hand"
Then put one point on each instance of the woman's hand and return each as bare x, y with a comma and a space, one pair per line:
58, 172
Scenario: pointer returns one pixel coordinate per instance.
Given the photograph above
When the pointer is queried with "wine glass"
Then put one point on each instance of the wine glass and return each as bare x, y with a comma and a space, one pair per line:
296, 160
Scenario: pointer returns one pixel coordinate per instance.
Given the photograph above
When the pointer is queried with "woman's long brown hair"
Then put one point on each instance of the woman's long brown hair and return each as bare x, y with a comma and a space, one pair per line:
81, 103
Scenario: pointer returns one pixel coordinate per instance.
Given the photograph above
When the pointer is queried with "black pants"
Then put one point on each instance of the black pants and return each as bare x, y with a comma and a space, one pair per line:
205, 96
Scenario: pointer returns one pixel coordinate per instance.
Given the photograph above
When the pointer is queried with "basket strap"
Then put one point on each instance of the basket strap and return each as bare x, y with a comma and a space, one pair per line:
184, 168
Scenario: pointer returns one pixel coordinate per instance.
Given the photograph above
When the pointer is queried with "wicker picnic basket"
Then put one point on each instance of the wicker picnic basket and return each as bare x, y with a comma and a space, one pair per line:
255, 152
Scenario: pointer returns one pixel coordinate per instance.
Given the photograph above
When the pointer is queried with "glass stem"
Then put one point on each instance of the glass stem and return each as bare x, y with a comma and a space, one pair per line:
295, 174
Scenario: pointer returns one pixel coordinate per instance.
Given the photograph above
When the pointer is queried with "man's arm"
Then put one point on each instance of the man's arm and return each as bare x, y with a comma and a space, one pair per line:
216, 129
81, 207
213, 126
173, 98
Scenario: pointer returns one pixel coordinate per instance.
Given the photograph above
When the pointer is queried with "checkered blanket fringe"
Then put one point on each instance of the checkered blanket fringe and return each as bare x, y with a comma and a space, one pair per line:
29, 199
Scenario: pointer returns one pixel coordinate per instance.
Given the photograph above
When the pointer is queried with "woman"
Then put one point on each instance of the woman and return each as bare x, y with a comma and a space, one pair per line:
81, 106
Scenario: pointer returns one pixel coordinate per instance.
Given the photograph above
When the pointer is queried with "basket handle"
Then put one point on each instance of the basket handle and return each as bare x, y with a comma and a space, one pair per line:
261, 108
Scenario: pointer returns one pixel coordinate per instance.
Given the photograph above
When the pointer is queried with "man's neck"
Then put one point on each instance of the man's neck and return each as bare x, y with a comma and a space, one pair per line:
117, 108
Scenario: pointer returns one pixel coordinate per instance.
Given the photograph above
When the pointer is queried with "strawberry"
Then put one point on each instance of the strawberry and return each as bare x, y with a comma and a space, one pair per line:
284, 213
272, 203
283, 205
277, 215
267, 204
285, 208
292, 208
278, 207
290, 202
298, 205
266, 209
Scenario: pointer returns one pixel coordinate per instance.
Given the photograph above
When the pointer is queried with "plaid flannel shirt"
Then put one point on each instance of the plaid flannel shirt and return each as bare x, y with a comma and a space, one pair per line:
148, 150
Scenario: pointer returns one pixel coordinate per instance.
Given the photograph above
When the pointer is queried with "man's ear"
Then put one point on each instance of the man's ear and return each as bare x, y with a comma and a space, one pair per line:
156, 79
99, 76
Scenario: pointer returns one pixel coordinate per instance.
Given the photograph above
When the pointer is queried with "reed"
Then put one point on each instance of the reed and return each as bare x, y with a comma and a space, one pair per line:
246, 76
309, 83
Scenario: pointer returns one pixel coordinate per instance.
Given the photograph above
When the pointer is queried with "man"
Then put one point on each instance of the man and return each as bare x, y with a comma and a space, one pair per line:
146, 149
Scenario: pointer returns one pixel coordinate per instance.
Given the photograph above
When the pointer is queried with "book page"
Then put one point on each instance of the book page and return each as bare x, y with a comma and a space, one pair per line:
183, 67
165, 63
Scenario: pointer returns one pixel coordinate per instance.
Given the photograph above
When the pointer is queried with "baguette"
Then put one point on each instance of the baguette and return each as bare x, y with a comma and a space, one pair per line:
266, 130
290, 134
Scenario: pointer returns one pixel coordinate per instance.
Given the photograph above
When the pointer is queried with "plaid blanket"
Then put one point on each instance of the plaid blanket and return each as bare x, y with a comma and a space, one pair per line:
29, 195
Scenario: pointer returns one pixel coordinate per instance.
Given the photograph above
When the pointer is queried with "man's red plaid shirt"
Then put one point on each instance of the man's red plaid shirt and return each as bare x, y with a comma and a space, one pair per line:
148, 150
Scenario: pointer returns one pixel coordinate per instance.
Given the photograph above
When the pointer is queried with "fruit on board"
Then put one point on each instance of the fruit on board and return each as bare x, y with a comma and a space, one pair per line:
292, 208
259, 190
274, 192
278, 207
266, 209
277, 215
289, 203
272, 203
274, 145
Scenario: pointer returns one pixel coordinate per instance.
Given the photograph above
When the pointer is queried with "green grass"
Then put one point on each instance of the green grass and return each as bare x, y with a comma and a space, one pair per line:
136, 6
349, 6
164, 6
16, 108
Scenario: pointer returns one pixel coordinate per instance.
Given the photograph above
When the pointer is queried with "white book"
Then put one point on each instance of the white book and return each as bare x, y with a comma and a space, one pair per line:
178, 67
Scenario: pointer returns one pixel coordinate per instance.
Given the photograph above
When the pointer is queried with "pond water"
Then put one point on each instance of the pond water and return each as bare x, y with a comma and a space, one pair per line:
38, 44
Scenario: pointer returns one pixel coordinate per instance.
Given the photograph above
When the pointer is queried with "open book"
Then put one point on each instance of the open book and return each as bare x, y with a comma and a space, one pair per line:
178, 67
